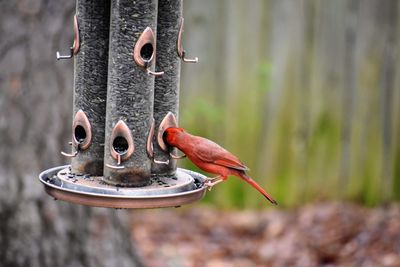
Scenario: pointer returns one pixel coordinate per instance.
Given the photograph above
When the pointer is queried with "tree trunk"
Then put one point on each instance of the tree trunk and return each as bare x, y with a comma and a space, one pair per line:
35, 118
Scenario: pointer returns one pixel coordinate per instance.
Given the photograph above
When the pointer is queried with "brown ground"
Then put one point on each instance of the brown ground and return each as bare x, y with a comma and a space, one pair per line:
328, 234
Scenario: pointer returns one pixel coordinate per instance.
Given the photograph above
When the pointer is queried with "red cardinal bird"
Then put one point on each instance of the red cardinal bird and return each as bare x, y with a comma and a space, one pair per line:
210, 157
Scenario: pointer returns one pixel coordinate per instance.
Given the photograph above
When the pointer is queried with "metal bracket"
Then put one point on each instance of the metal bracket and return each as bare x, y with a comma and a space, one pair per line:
118, 167
179, 46
73, 155
75, 46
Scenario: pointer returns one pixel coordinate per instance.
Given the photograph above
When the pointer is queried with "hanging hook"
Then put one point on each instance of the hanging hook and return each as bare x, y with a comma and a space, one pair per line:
177, 157
75, 46
73, 155
154, 73
144, 51
161, 162
118, 167
69, 155
179, 45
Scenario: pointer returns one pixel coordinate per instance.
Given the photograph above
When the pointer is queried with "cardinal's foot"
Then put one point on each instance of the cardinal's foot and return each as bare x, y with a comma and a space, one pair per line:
210, 179
210, 183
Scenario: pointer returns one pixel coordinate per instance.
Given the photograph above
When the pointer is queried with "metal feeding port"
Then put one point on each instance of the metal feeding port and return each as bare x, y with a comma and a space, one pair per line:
122, 106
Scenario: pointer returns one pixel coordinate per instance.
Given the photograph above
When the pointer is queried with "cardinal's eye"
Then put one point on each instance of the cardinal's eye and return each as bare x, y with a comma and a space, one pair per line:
165, 135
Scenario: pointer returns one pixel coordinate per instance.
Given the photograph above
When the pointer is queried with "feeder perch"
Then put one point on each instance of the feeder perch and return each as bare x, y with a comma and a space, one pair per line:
119, 158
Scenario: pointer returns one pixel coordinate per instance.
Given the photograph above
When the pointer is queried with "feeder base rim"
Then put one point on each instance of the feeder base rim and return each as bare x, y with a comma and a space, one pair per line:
85, 195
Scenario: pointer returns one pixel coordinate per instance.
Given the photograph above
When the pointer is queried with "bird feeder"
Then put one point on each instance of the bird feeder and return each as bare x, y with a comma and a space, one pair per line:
127, 58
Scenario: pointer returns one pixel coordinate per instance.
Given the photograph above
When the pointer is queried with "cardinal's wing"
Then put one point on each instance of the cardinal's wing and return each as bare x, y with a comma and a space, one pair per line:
208, 151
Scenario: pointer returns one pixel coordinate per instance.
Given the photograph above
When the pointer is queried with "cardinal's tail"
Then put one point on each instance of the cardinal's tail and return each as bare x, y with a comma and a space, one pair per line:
256, 186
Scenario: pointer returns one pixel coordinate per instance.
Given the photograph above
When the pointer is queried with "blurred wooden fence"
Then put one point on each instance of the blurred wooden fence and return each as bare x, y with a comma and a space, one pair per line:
307, 93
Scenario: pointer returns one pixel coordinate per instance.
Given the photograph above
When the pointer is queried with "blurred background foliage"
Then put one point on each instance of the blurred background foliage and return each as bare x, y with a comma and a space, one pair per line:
306, 93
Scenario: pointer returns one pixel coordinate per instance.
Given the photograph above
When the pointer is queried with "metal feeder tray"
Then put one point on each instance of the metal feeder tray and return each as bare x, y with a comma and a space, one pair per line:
183, 188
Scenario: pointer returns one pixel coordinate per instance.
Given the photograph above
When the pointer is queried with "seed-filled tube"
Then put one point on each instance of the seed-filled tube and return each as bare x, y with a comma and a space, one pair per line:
130, 92
90, 86
166, 88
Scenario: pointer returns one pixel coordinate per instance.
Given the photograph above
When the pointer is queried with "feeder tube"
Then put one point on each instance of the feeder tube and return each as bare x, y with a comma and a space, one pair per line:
90, 83
130, 93
166, 88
